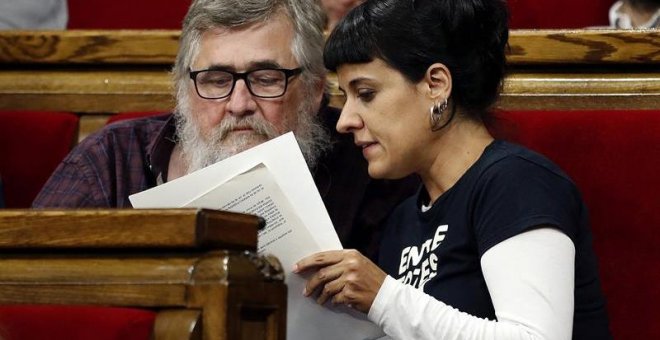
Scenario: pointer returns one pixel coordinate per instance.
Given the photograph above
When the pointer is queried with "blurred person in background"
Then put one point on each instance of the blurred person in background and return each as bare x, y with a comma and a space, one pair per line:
33, 14
336, 9
630, 14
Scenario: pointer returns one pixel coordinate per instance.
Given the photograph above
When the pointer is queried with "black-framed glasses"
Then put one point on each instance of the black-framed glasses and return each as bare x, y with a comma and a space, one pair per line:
262, 83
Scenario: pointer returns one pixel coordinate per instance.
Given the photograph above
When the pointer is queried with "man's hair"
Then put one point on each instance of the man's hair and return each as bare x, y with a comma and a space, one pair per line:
306, 17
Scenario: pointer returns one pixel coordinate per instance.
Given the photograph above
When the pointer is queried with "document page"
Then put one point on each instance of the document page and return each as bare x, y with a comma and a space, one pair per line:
284, 160
256, 192
262, 188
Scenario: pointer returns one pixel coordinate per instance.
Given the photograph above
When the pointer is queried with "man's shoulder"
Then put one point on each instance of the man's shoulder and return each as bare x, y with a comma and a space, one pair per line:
123, 135
144, 125
145, 129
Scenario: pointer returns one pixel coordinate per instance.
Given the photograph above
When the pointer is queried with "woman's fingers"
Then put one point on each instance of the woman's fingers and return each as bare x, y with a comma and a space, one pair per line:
321, 259
342, 276
321, 278
330, 291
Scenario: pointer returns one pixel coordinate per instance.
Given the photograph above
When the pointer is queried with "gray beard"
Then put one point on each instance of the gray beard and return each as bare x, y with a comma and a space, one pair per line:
201, 151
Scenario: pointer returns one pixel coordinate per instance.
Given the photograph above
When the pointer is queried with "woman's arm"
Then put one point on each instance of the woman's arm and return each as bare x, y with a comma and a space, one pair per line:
530, 278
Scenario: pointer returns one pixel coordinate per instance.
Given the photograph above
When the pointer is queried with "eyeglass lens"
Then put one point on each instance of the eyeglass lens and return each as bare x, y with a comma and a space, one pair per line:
261, 83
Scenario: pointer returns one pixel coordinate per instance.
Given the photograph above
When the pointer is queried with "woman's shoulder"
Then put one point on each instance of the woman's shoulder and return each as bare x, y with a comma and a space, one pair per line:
502, 158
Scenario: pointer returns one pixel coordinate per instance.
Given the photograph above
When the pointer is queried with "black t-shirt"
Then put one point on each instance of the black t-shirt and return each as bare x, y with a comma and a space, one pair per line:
509, 190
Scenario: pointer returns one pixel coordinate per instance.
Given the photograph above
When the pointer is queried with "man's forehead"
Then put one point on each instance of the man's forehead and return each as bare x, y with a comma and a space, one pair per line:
263, 44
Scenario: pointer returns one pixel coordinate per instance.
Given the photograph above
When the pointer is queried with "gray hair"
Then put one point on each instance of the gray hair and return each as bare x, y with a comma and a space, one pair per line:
306, 16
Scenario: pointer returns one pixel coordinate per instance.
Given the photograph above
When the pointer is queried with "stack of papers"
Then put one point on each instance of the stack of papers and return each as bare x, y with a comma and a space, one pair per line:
273, 181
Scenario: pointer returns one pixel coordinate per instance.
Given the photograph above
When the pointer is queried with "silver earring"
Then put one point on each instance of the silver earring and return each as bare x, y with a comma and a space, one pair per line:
437, 111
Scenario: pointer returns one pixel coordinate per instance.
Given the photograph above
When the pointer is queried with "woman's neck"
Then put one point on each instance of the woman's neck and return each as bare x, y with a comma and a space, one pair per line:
455, 151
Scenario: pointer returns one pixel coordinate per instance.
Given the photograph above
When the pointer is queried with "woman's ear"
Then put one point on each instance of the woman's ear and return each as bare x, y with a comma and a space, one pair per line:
438, 81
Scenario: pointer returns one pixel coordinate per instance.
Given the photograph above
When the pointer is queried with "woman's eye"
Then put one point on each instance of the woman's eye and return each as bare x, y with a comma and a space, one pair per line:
366, 95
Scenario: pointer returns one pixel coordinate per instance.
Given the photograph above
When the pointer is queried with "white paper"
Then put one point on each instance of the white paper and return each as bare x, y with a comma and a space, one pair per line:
272, 180
283, 158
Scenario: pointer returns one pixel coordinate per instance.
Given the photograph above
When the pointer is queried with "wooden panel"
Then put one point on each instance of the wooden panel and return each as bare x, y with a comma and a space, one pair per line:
567, 91
235, 300
579, 91
90, 123
101, 265
89, 47
178, 324
92, 91
89, 268
110, 295
521, 89
160, 46
127, 228
528, 47
120, 279
107, 72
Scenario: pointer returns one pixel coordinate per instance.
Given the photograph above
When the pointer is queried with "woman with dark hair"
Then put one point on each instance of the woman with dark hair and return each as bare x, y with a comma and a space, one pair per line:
496, 243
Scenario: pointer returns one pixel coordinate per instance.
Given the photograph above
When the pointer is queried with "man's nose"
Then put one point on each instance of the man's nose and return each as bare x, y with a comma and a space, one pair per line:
241, 101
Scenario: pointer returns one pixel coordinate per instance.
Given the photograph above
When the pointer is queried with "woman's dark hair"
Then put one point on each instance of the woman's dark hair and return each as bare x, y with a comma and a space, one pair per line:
467, 36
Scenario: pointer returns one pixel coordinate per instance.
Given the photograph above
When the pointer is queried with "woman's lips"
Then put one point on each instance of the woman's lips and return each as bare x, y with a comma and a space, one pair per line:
367, 147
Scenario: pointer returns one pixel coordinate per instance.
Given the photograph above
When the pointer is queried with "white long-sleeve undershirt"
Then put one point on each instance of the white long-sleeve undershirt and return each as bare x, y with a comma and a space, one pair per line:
530, 278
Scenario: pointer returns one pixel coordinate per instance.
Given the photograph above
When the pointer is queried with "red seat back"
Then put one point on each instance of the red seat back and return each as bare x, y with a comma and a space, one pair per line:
559, 13
32, 144
21, 322
613, 157
143, 14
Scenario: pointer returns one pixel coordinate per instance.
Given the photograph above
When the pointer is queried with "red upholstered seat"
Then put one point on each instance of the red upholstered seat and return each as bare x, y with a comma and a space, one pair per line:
36, 322
32, 144
143, 14
613, 157
559, 13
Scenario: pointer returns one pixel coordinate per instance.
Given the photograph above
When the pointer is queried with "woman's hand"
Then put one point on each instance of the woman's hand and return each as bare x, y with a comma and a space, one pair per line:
344, 276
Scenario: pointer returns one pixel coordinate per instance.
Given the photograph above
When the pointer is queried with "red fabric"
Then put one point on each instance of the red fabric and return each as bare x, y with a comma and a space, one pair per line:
559, 13
613, 157
32, 144
142, 14
155, 14
36, 322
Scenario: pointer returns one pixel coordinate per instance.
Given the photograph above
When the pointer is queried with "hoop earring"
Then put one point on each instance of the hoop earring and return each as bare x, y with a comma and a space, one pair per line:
437, 111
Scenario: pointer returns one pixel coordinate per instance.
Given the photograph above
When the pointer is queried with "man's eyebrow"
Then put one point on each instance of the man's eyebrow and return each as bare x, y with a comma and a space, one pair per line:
221, 67
264, 64
255, 65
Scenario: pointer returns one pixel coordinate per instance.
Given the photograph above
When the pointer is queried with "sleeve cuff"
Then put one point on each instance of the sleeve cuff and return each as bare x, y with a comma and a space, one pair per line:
377, 312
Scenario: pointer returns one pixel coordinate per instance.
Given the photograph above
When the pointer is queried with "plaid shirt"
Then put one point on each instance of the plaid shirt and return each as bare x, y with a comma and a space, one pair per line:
133, 155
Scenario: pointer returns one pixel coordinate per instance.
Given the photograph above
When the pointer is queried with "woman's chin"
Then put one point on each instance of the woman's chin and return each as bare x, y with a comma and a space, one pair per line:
379, 172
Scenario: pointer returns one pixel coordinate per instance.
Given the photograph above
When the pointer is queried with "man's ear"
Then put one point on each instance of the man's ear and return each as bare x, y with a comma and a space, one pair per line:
438, 82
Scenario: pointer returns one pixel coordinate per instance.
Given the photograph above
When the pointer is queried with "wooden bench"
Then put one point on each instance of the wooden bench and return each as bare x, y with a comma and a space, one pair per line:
591, 79
196, 269
100, 73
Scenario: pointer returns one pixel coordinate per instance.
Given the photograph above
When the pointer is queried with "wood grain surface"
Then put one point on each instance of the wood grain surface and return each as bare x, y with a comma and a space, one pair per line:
128, 228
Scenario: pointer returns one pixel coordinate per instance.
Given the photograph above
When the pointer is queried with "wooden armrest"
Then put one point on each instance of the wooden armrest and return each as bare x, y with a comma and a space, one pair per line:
173, 260
178, 324
128, 228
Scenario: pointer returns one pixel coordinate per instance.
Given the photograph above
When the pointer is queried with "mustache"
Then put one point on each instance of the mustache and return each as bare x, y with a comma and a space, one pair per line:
258, 125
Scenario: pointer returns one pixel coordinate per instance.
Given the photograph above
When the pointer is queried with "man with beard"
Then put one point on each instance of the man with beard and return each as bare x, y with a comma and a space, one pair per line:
245, 72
